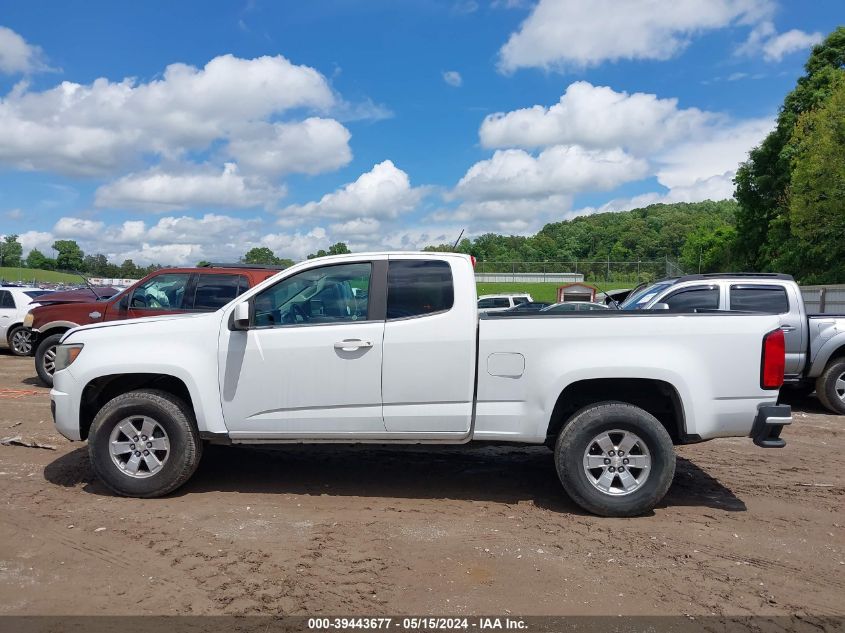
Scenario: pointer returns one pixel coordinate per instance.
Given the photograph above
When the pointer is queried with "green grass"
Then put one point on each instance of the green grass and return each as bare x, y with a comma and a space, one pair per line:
40, 276
543, 291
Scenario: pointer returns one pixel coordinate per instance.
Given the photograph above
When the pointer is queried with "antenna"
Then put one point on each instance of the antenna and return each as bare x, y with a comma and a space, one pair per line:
457, 241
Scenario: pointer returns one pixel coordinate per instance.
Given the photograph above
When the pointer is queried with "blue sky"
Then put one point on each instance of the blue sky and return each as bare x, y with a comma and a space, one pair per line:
167, 132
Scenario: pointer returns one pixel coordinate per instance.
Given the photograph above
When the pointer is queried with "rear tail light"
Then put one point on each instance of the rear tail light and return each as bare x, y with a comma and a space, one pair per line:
774, 360
473, 260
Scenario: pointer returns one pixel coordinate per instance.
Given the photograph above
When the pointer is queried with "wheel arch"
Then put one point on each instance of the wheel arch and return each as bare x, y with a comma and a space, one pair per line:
658, 397
98, 391
833, 349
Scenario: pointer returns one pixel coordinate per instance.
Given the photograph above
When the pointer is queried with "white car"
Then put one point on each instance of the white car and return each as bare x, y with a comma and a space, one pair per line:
300, 359
501, 302
15, 302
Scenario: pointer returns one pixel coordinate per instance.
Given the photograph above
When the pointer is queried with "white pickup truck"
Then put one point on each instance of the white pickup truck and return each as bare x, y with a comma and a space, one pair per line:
389, 348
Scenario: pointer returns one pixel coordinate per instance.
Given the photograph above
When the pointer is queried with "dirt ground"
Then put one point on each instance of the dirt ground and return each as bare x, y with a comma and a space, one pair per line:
375, 530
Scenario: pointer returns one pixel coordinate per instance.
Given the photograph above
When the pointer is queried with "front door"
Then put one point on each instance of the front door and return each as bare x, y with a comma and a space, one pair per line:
164, 293
310, 364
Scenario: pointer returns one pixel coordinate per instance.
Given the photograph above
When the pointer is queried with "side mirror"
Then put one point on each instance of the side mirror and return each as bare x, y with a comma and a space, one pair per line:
660, 306
240, 317
123, 304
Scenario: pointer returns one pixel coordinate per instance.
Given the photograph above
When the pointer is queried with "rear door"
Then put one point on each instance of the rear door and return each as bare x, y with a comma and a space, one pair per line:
211, 291
773, 299
428, 371
7, 312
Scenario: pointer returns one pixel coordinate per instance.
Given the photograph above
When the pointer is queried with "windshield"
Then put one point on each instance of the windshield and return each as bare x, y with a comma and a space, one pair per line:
638, 300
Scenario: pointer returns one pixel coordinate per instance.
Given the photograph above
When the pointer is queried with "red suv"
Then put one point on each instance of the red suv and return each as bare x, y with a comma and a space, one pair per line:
166, 291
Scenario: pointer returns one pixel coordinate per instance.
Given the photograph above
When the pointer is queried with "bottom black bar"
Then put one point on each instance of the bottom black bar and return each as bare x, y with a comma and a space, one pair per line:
409, 624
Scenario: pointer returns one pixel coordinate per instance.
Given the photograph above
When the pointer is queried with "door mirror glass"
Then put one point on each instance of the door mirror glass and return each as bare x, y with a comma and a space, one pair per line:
240, 318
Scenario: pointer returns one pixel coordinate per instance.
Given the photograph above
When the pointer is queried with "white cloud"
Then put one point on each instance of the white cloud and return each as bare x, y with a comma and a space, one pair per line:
764, 39
718, 187
356, 229
561, 169
581, 33
383, 192
159, 191
595, 116
77, 227
297, 246
453, 78
312, 146
41, 240
721, 152
512, 216
14, 214
100, 127
18, 56
790, 42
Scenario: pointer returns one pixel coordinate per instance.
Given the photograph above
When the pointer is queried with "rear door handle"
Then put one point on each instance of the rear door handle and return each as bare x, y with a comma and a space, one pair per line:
787, 328
352, 344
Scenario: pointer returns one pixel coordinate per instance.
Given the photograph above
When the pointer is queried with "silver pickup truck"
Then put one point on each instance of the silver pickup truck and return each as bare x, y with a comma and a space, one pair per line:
815, 343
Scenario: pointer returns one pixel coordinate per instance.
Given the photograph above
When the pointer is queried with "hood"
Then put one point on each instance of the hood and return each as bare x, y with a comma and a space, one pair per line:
139, 321
81, 295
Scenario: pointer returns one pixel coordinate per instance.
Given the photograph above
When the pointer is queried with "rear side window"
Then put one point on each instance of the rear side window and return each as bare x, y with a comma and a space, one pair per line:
215, 291
520, 300
418, 287
6, 299
694, 299
769, 299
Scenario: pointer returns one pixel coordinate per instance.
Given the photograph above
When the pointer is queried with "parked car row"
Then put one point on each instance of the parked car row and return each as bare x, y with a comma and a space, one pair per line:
167, 291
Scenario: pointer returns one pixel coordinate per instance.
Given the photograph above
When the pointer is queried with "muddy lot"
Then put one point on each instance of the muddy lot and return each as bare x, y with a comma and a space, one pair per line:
350, 530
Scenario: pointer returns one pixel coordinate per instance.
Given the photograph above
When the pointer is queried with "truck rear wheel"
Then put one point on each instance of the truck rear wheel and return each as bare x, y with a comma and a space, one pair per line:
615, 459
45, 358
144, 444
830, 387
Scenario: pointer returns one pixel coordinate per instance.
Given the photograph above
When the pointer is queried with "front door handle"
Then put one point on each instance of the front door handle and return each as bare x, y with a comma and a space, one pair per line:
787, 328
351, 344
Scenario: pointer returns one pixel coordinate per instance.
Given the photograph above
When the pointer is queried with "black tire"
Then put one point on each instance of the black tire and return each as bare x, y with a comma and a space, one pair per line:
826, 386
177, 421
579, 433
14, 346
42, 356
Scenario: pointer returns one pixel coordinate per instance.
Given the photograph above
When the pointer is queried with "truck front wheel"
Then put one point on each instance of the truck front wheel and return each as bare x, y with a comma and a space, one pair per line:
615, 459
830, 387
45, 358
144, 444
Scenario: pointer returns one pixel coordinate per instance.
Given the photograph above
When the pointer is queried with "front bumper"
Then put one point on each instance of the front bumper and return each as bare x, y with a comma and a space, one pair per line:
769, 423
64, 406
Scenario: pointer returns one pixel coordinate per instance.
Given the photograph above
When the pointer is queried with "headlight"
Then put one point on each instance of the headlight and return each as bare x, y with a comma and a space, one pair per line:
66, 354
28, 319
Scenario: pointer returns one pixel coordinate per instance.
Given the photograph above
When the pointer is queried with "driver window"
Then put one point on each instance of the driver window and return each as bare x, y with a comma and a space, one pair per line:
162, 292
330, 294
